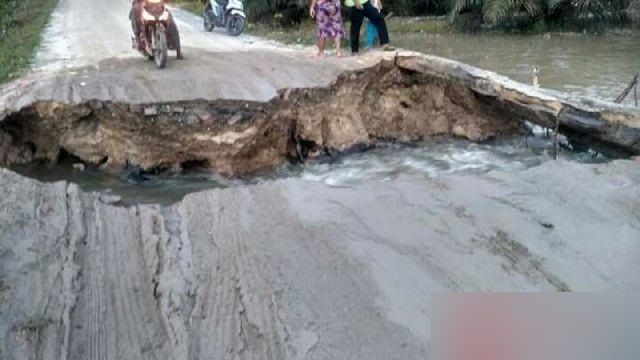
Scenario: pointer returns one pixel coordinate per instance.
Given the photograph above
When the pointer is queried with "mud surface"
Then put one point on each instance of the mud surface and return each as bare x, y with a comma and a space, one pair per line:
287, 269
296, 269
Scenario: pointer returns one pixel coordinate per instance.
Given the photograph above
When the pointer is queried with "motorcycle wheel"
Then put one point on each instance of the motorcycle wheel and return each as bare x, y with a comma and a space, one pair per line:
208, 25
235, 25
160, 51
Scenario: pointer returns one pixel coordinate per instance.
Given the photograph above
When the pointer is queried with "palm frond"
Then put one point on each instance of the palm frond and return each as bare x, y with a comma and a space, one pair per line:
582, 9
633, 11
460, 5
257, 8
556, 5
494, 10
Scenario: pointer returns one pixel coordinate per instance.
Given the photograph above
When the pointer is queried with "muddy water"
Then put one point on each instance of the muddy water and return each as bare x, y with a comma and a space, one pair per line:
597, 66
587, 65
436, 158
385, 162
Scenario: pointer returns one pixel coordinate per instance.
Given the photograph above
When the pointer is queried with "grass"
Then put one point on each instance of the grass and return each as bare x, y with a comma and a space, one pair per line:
21, 26
194, 6
305, 33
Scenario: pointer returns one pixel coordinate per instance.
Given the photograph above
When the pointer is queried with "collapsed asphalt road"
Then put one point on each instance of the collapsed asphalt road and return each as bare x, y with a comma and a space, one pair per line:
290, 269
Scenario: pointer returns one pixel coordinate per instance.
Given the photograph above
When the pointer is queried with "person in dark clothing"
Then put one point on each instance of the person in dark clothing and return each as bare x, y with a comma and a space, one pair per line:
134, 17
173, 38
360, 9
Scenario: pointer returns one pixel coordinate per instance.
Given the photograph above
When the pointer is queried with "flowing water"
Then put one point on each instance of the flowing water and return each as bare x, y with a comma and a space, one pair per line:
587, 65
596, 66
383, 163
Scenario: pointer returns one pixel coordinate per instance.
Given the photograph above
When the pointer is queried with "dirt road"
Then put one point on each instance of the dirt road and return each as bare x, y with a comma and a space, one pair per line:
288, 269
86, 54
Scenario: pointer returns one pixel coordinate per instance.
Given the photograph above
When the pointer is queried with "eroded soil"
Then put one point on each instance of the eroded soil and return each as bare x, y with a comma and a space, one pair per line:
241, 137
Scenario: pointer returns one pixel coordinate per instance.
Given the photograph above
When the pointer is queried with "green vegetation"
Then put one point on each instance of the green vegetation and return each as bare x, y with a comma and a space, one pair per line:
271, 17
305, 33
194, 6
633, 11
21, 24
543, 15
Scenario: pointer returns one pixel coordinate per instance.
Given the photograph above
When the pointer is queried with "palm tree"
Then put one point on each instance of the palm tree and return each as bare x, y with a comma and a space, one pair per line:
582, 9
459, 6
495, 10
633, 11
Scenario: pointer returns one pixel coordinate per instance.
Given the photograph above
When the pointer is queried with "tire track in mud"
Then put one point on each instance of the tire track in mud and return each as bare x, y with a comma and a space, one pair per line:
175, 287
121, 318
39, 330
76, 229
265, 272
262, 326
209, 291
521, 260
240, 318
325, 294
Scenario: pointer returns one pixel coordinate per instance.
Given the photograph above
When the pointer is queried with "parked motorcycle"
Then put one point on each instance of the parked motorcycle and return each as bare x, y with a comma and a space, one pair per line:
228, 14
152, 40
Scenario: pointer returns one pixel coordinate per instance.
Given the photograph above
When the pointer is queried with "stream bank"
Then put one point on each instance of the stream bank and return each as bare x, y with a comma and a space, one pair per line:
407, 99
593, 65
237, 138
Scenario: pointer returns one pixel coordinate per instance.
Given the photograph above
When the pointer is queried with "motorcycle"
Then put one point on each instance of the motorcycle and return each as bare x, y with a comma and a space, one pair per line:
229, 15
152, 40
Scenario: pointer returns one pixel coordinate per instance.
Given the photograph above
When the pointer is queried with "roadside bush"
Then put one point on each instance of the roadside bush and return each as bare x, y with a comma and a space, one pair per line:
21, 24
430, 7
558, 14
468, 22
540, 26
520, 22
633, 11
467, 15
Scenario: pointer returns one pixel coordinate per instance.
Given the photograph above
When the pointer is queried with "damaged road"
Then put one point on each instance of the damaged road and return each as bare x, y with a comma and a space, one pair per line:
295, 269
107, 106
286, 269
237, 138
409, 99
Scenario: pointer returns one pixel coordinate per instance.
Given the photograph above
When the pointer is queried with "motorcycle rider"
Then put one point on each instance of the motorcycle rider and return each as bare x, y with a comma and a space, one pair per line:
135, 16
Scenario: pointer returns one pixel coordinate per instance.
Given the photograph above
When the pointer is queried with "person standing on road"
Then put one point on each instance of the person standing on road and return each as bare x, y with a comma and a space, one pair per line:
358, 10
329, 23
370, 30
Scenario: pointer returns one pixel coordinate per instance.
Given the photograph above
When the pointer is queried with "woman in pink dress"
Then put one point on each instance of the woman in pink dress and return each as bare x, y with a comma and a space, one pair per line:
329, 22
